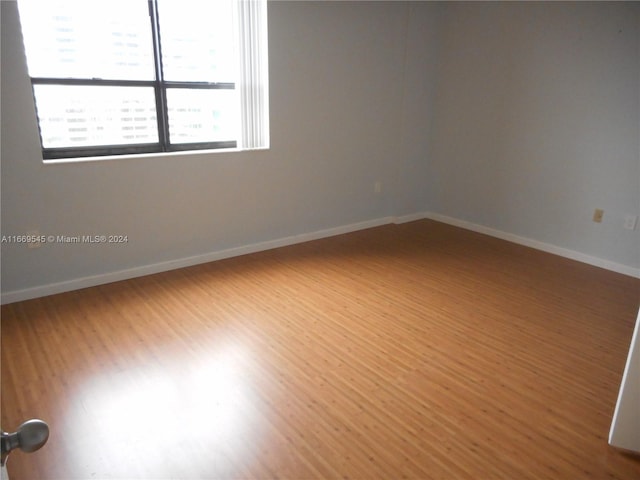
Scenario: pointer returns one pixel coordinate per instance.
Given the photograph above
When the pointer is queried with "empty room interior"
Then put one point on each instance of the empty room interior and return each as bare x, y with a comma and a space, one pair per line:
431, 268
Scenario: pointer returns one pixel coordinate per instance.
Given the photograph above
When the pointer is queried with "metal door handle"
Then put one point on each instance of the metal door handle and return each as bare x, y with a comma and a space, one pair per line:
29, 437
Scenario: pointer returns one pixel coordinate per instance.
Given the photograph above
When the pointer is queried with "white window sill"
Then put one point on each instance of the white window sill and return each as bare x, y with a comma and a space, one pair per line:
134, 156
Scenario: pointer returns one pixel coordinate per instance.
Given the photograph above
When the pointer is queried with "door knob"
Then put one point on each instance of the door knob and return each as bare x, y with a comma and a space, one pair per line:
29, 437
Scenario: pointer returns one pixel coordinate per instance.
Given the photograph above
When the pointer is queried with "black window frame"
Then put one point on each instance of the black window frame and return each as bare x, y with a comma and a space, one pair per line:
160, 86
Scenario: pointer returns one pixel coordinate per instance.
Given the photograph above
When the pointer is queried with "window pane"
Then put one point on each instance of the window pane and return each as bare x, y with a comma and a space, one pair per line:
80, 116
88, 39
202, 115
197, 40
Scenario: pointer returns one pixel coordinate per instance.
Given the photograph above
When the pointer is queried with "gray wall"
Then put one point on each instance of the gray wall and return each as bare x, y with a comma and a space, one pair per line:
537, 122
519, 117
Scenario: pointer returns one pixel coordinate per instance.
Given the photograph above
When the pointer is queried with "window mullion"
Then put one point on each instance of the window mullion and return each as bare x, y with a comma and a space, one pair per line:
159, 84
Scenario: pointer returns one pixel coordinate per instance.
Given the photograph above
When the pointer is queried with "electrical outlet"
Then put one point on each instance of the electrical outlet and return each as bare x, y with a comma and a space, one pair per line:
630, 222
377, 187
597, 215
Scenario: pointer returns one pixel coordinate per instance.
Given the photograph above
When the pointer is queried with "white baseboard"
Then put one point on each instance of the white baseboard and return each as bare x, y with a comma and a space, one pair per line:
409, 218
101, 279
545, 247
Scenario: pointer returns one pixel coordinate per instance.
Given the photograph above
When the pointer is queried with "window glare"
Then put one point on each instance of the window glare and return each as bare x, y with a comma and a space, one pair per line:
88, 39
197, 47
81, 116
202, 115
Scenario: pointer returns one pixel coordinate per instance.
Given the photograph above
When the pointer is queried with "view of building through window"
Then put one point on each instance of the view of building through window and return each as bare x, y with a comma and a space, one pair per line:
131, 75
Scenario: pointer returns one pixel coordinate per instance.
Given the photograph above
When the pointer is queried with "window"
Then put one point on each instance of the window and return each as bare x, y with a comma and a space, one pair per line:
142, 76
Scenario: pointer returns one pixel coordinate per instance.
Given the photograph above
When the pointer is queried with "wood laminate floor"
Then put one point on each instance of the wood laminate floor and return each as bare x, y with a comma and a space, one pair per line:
405, 351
